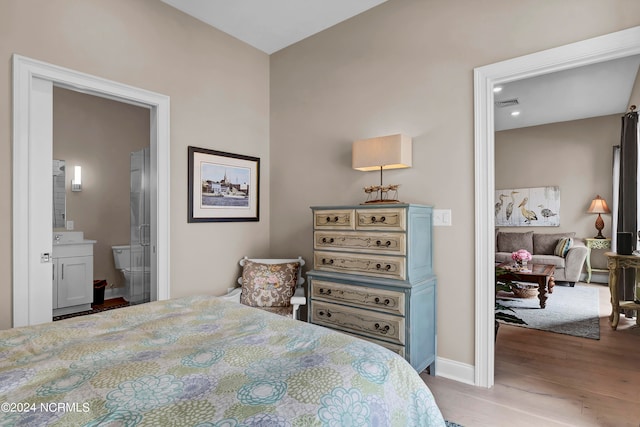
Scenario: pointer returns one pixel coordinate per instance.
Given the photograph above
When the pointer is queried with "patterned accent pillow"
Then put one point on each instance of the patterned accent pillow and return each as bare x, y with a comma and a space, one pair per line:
563, 246
268, 285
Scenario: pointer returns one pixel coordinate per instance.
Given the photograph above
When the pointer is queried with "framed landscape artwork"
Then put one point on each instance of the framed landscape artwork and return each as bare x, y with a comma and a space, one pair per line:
524, 207
223, 187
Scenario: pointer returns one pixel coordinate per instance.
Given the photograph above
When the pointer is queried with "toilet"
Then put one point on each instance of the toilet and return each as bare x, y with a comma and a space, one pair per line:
137, 279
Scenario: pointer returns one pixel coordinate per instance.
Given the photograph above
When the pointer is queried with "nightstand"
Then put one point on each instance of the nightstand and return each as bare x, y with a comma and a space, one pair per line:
595, 244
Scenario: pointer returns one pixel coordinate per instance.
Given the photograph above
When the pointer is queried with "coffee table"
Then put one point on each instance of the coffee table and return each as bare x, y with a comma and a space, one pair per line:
541, 274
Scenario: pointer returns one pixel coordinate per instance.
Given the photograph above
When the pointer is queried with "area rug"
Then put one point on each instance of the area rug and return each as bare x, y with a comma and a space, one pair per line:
450, 424
570, 311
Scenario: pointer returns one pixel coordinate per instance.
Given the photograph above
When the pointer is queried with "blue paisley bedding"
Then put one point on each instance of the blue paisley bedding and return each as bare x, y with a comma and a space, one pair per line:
202, 361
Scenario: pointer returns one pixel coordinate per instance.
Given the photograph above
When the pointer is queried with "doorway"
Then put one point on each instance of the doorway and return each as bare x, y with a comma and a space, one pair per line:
33, 83
616, 45
109, 141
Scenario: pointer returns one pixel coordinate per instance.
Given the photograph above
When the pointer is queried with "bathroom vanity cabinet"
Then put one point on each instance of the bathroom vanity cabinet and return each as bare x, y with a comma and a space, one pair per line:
72, 277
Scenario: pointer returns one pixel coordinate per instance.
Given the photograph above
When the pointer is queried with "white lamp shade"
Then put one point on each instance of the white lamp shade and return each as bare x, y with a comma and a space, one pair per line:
76, 182
77, 175
388, 152
599, 206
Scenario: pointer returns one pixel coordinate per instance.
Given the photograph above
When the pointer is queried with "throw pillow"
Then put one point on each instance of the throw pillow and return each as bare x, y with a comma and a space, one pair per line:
563, 246
545, 243
511, 242
268, 285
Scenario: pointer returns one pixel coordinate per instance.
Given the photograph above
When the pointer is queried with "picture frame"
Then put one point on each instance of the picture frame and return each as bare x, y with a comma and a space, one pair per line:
528, 207
223, 187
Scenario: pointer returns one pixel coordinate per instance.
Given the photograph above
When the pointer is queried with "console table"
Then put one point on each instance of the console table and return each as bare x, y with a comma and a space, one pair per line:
614, 262
595, 244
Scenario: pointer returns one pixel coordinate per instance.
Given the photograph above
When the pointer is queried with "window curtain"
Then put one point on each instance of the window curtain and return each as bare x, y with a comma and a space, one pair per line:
615, 193
627, 203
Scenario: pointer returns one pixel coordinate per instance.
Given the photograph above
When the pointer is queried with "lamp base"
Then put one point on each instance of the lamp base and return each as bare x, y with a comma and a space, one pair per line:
599, 227
381, 194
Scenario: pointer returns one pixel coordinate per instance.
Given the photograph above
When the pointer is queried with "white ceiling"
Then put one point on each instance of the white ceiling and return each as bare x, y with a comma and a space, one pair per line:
271, 25
579, 93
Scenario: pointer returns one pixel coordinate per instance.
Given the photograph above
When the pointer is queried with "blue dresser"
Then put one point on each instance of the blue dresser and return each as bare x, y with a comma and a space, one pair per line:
373, 277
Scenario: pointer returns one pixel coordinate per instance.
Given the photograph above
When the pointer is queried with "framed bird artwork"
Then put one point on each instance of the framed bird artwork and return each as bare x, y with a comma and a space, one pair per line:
525, 207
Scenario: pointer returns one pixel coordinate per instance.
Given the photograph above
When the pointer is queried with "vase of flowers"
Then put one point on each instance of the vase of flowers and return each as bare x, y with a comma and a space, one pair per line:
521, 257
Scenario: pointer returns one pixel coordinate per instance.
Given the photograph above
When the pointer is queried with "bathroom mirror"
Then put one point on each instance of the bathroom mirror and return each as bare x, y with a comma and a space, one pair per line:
59, 194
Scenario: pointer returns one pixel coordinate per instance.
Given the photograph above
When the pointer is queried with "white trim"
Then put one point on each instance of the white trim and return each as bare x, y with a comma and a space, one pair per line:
604, 48
24, 71
456, 371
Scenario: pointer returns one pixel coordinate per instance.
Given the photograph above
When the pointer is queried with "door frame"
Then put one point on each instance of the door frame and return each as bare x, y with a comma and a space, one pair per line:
604, 48
28, 305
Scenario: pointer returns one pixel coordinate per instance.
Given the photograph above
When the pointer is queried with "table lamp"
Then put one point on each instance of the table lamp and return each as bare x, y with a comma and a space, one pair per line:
385, 152
599, 206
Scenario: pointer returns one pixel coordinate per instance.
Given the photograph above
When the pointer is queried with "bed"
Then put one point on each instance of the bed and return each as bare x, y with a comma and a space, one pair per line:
203, 361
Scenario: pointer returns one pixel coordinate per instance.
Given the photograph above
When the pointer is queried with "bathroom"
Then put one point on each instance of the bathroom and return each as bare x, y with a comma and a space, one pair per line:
109, 140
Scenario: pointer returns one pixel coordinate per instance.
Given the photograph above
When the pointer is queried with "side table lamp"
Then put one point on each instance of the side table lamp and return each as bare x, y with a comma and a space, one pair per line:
377, 154
599, 206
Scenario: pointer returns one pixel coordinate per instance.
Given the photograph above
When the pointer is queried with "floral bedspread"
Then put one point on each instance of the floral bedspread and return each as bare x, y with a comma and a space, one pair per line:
202, 361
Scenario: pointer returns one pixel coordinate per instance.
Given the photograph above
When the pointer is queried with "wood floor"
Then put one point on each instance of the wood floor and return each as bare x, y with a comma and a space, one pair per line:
545, 379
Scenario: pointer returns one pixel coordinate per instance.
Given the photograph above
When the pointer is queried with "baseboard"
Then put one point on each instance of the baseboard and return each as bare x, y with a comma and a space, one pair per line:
598, 277
456, 371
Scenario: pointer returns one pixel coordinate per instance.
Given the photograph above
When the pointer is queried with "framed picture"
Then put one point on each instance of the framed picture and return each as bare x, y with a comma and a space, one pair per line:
528, 207
223, 187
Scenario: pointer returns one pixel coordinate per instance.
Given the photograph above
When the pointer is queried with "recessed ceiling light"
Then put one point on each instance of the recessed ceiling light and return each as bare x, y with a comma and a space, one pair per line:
497, 89
515, 113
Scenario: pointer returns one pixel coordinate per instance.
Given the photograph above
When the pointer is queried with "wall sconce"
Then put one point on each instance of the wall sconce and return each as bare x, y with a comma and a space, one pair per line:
385, 152
599, 206
76, 182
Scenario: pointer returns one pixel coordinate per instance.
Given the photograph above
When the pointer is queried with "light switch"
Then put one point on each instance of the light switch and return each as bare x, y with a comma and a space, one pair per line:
69, 225
441, 217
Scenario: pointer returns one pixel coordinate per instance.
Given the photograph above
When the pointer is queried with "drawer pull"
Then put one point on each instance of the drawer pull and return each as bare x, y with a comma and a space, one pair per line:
322, 313
386, 267
386, 301
376, 220
325, 240
387, 243
335, 219
325, 261
382, 330
323, 292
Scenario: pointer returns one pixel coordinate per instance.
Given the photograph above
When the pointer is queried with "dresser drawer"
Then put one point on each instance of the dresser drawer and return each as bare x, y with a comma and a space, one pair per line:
381, 219
369, 265
398, 349
360, 296
383, 326
334, 219
384, 243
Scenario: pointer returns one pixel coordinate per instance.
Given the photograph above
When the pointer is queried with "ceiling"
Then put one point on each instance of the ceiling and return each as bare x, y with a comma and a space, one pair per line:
578, 93
271, 25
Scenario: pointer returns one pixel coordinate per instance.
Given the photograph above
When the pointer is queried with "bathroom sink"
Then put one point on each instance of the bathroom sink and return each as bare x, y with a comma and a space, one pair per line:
68, 237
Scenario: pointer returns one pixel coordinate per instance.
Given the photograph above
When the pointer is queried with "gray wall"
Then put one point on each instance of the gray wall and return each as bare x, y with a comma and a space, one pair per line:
219, 90
574, 155
404, 66
407, 66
